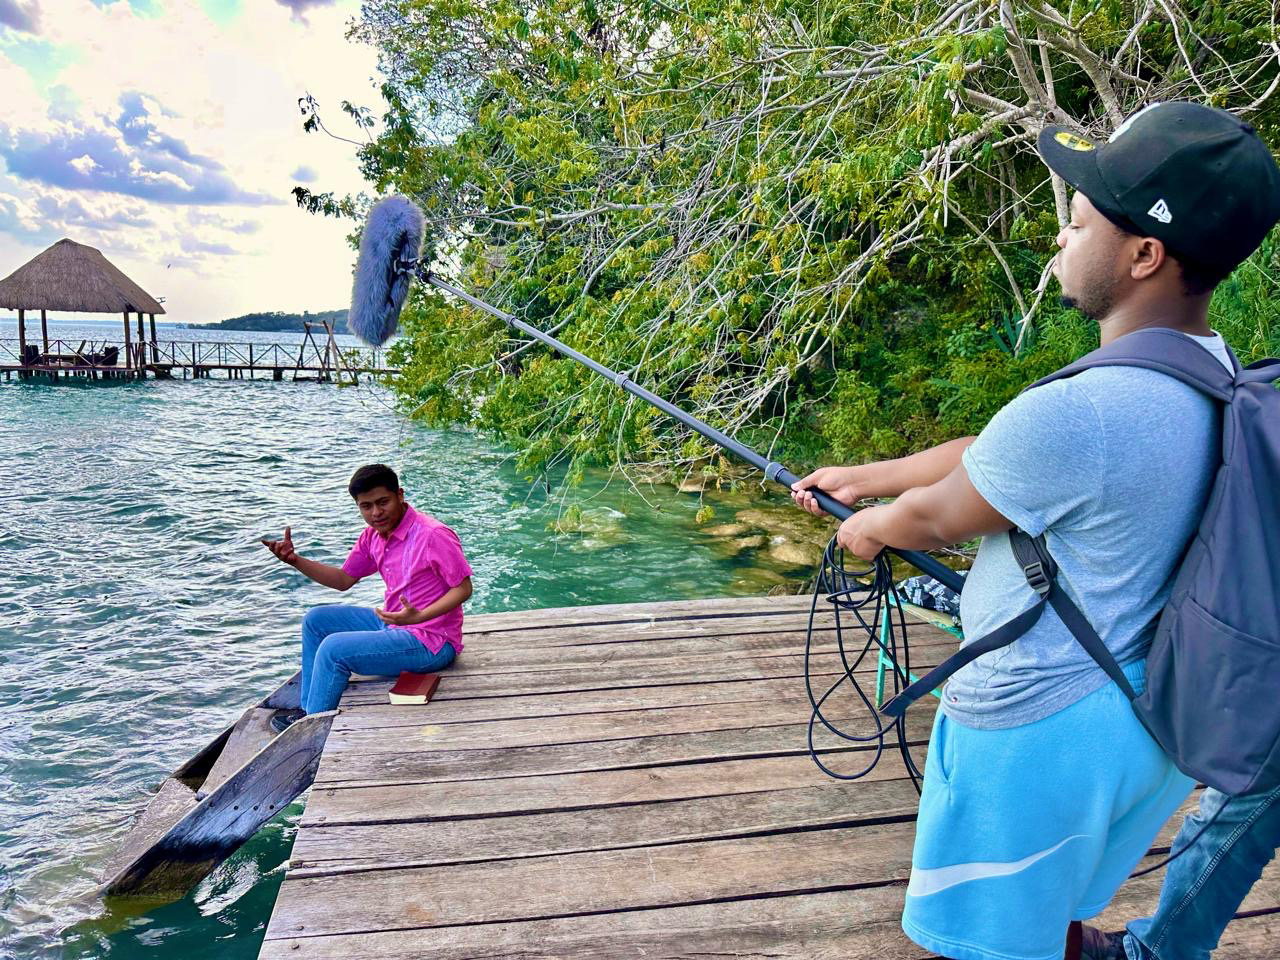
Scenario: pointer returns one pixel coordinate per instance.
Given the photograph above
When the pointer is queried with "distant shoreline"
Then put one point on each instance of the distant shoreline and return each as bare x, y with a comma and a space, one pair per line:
278, 322
267, 322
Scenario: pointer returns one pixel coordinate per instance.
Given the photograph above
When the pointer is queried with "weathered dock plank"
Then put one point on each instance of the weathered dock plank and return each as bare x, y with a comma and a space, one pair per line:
611, 675
820, 926
375, 711
654, 631
604, 613
594, 881
471, 684
580, 728
624, 781
841, 925
435, 766
649, 821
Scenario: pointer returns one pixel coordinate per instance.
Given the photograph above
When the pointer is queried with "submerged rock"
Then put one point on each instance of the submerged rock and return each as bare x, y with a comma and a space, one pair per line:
788, 521
732, 546
601, 522
601, 541
789, 552
757, 582
727, 530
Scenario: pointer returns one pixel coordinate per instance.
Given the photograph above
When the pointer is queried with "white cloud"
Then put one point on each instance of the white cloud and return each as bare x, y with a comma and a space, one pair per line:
83, 164
23, 104
197, 112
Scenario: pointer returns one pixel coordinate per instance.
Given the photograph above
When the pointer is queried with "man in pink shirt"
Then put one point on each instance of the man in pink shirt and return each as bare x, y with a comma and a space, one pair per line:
419, 625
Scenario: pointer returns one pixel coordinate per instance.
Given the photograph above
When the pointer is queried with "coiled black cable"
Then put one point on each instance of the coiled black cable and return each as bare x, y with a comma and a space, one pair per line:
853, 595
862, 603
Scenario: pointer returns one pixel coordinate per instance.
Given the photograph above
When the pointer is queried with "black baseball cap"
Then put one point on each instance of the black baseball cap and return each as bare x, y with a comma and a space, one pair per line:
1194, 177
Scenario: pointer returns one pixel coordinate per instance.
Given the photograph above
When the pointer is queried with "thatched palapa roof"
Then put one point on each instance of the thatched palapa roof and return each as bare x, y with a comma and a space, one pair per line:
72, 277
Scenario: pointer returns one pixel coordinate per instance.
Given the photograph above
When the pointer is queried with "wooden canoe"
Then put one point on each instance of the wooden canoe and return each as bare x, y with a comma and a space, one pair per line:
218, 799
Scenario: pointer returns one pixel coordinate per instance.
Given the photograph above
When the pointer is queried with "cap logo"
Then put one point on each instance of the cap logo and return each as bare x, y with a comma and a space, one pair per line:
1072, 142
1160, 210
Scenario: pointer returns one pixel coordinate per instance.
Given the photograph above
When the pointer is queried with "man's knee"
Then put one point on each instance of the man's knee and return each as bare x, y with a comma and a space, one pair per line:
333, 652
315, 619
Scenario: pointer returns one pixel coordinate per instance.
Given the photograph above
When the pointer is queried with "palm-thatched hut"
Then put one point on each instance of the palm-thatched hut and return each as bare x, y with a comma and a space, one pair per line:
74, 277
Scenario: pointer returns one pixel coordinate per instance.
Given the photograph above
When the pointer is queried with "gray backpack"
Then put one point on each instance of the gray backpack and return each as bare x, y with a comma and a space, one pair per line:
1212, 699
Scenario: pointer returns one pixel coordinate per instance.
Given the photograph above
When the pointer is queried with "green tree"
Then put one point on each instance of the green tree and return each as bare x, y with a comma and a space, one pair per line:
819, 225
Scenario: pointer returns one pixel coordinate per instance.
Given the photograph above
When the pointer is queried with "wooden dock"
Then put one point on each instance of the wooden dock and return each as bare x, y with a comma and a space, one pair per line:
317, 358
622, 782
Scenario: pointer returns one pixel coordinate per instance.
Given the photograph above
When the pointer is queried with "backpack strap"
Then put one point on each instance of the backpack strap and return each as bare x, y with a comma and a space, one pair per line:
1263, 371
1165, 351
1041, 572
1087, 637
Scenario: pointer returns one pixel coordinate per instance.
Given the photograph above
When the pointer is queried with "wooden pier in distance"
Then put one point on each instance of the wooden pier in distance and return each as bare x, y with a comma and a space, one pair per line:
622, 782
70, 276
317, 357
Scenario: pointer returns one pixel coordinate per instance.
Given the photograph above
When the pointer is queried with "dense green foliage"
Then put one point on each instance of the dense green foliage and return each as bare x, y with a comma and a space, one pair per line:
820, 225
274, 320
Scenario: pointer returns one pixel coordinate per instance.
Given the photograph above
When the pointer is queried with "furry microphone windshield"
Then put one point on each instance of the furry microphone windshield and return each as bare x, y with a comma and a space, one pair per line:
388, 263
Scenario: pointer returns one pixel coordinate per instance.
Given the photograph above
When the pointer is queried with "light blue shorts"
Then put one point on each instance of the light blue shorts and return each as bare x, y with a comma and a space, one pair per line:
1025, 829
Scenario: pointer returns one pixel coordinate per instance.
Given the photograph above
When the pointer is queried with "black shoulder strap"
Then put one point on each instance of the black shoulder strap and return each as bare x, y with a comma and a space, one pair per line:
1042, 576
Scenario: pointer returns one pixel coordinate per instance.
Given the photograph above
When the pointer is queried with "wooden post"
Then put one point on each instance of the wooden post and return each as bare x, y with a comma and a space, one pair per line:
155, 349
22, 337
142, 347
44, 330
128, 344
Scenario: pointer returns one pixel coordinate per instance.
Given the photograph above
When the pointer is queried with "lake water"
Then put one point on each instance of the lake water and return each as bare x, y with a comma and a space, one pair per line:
140, 614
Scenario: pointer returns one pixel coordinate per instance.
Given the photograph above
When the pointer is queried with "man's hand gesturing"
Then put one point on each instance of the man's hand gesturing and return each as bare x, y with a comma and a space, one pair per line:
283, 549
406, 616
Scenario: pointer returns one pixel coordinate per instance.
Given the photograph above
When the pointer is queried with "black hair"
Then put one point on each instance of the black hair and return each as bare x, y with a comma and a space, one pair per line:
1197, 278
372, 476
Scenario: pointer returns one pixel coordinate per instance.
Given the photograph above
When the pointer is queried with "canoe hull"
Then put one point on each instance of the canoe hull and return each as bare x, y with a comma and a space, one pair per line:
218, 799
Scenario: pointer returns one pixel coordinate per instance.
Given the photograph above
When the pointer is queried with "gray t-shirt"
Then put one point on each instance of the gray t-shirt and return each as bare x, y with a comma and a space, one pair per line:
1113, 465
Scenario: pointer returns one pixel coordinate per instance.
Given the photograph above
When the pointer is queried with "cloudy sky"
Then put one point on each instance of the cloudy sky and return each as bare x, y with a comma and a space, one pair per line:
166, 133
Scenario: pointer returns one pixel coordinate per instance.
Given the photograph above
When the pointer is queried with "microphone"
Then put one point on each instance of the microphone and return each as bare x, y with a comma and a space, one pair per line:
390, 250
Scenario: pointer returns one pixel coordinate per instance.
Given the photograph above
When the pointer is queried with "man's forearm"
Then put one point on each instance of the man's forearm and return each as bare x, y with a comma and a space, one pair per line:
893, 478
322, 573
927, 518
907, 524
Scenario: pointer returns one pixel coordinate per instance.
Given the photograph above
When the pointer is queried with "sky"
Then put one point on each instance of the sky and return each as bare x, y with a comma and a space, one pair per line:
167, 134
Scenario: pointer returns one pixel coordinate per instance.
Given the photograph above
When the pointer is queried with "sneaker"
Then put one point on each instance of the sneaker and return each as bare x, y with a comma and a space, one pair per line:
1096, 944
285, 718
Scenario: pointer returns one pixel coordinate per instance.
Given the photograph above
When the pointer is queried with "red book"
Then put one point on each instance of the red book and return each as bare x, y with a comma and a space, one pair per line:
414, 687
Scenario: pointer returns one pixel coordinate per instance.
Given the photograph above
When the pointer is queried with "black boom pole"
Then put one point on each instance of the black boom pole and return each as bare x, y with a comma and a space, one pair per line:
771, 468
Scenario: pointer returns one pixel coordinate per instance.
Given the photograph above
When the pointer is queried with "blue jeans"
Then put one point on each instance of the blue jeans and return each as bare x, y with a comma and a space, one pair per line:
1205, 886
339, 640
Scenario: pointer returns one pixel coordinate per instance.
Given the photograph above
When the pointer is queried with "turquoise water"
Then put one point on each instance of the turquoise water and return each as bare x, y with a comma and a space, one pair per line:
140, 613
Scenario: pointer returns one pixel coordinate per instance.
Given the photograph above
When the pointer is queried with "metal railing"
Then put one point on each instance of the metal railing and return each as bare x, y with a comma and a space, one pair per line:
59, 350
205, 354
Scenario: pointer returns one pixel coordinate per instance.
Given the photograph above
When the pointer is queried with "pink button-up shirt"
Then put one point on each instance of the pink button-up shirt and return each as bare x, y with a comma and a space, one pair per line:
423, 559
